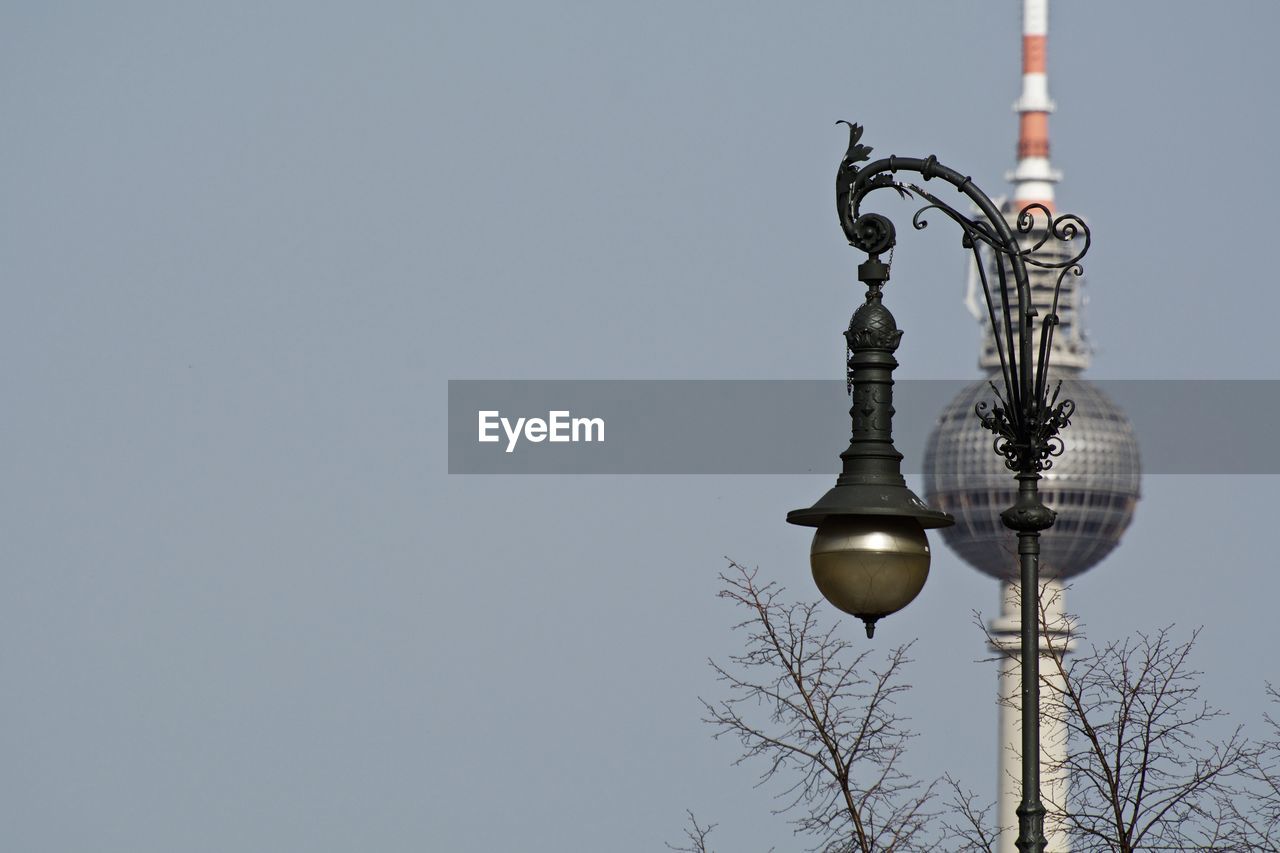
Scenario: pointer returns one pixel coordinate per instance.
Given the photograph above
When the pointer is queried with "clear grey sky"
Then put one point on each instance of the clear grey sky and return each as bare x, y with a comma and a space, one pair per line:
245, 244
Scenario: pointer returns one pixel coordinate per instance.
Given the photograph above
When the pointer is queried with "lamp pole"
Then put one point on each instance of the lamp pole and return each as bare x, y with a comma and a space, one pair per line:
870, 556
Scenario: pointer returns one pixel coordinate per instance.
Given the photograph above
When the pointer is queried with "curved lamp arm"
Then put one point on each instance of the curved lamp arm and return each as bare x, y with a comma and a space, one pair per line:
1027, 417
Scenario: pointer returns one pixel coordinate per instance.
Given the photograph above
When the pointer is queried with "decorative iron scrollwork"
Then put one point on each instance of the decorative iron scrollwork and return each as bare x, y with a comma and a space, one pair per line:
873, 233
1032, 450
1025, 418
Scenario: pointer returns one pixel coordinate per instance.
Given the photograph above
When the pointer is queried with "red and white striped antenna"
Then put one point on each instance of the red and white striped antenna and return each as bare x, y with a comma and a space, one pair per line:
1033, 183
1033, 178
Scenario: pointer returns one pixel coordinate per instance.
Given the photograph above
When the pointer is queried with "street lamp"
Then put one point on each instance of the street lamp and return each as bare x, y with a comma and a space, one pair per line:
870, 556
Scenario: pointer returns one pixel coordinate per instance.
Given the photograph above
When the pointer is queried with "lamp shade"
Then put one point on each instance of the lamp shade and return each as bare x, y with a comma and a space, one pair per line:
870, 566
870, 495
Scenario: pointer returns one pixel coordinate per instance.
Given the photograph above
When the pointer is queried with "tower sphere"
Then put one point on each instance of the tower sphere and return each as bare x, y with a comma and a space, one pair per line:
1093, 485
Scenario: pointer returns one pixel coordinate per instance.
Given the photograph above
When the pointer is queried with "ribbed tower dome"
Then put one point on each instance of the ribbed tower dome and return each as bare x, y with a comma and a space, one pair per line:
1093, 485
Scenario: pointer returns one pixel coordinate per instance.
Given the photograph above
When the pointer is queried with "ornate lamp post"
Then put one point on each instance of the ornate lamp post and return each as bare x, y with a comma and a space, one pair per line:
870, 556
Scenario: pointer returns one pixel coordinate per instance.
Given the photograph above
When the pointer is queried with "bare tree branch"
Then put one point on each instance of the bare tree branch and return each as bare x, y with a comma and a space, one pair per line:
1257, 808
802, 700
819, 717
696, 834
968, 826
1144, 773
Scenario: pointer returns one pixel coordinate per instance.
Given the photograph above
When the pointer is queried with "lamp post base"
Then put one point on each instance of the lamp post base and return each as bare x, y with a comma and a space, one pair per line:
1028, 516
1031, 828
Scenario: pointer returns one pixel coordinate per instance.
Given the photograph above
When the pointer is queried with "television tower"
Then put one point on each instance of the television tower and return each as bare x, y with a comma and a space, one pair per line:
1094, 486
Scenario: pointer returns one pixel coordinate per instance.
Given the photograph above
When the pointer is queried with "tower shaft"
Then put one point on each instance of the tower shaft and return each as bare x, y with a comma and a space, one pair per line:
1005, 634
